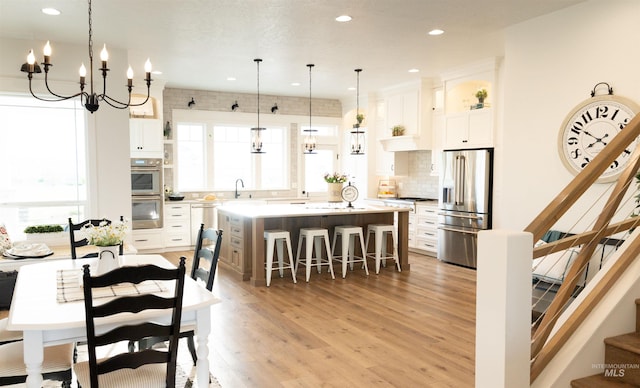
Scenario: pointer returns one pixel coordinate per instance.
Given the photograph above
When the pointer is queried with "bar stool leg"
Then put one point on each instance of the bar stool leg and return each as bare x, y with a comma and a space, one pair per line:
270, 243
329, 256
395, 250
364, 254
293, 272
317, 243
378, 244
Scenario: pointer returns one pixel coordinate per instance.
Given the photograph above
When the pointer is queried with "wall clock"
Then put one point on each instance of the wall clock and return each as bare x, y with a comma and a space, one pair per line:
349, 194
589, 127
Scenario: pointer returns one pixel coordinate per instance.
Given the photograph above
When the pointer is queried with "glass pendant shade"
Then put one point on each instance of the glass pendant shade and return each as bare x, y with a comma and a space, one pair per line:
256, 140
357, 142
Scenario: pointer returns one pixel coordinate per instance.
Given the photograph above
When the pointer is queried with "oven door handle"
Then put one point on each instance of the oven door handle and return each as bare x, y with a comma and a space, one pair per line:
146, 197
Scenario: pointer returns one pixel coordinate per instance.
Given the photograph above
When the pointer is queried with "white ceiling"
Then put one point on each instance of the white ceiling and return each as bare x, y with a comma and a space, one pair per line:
197, 44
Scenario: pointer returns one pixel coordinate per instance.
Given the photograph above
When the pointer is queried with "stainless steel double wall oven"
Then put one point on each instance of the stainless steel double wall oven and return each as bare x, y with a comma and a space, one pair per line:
147, 193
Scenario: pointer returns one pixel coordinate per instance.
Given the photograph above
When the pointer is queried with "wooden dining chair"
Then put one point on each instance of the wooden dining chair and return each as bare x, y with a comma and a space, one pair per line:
77, 243
145, 367
203, 268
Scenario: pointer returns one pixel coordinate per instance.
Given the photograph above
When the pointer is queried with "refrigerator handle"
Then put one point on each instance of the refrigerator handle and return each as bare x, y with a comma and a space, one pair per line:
459, 179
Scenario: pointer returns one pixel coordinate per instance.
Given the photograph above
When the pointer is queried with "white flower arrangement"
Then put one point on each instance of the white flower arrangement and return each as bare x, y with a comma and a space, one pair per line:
105, 234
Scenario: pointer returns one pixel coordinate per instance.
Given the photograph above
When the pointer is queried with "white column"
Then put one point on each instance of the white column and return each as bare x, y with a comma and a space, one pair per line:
503, 309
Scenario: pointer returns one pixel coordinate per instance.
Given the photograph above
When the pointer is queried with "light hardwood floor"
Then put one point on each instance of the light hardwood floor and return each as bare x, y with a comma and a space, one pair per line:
409, 329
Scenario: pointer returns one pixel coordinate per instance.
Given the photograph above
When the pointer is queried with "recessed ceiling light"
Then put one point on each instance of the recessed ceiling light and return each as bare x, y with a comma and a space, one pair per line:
295, 84
436, 32
351, 88
156, 72
413, 70
343, 18
50, 11
231, 78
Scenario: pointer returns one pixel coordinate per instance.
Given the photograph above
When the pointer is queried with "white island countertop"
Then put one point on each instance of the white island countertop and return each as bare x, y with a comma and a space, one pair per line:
304, 210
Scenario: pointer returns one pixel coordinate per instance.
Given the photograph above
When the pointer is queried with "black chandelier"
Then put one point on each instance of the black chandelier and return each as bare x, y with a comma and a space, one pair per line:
90, 99
357, 135
256, 132
309, 142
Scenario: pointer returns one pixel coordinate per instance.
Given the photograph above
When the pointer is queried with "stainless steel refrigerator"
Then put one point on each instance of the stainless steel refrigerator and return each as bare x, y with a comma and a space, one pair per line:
465, 202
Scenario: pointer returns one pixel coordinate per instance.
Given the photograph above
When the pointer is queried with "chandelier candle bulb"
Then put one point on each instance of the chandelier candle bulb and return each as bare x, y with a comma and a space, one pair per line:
104, 57
47, 53
83, 74
129, 77
31, 60
147, 69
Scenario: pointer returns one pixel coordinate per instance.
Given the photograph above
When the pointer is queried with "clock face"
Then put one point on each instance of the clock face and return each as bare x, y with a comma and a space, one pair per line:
589, 127
349, 193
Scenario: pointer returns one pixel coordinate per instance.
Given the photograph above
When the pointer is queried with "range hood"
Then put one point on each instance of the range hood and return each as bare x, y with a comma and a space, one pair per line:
403, 143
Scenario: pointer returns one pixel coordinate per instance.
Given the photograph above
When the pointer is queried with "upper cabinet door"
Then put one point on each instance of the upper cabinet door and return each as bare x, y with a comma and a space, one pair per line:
145, 138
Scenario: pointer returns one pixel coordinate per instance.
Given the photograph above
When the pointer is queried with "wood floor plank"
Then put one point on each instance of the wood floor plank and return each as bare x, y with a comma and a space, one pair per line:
407, 329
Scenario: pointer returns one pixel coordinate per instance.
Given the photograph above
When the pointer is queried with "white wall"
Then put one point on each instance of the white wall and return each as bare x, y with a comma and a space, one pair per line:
110, 182
551, 64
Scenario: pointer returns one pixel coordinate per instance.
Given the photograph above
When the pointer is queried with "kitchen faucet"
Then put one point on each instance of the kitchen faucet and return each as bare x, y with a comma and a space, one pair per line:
242, 183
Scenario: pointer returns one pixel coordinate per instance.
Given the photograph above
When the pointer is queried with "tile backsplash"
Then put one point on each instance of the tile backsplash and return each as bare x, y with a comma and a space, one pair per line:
419, 182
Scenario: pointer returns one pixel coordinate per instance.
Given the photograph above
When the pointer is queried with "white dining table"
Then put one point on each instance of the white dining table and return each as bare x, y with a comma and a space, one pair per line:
44, 321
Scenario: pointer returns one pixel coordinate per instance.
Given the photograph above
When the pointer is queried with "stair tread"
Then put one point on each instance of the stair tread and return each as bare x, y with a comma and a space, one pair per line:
629, 342
600, 381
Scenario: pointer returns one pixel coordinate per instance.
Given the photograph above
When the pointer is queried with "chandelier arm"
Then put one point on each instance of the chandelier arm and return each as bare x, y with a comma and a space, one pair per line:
60, 97
113, 102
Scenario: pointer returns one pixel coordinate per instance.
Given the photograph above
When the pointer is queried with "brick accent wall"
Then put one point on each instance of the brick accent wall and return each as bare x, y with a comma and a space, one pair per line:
222, 101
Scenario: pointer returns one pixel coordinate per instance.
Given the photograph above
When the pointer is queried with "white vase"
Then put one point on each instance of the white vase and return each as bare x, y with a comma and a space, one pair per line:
108, 259
335, 192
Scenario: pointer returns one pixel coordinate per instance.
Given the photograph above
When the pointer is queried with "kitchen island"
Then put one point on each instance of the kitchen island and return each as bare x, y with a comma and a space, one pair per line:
243, 248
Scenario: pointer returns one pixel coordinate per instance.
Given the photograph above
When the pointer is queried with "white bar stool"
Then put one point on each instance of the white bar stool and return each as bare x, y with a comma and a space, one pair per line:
380, 236
277, 238
314, 238
349, 233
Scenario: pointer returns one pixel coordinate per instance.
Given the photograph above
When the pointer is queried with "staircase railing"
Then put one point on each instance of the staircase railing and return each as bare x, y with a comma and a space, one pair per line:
544, 349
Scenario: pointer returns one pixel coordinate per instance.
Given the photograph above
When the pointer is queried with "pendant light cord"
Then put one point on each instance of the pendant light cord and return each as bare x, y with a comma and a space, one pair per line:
310, 67
257, 61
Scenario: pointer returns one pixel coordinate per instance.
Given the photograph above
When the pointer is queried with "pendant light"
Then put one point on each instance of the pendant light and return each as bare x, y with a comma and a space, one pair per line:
256, 133
309, 141
357, 135
89, 99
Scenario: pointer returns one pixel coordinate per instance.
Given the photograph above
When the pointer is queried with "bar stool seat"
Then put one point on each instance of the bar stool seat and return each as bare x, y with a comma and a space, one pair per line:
380, 253
277, 238
314, 238
348, 234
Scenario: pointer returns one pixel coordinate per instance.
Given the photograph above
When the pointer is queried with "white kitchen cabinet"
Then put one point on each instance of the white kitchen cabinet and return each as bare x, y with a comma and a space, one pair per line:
392, 163
177, 225
436, 152
404, 109
409, 105
426, 229
145, 239
470, 129
146, 138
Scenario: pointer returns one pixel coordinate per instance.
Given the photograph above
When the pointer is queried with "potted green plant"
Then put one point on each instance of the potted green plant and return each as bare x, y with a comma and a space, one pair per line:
481, 94
397, 130
360, 118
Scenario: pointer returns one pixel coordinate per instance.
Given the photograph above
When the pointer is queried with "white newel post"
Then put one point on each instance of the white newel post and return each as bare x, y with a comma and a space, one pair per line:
503, 309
